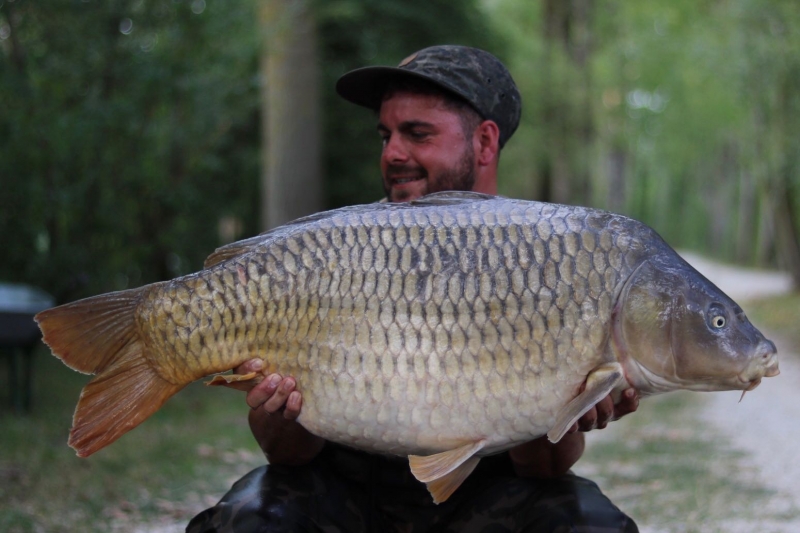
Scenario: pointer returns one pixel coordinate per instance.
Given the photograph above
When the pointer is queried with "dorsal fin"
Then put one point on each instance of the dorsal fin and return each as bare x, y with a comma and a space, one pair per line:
234, 249
223, 253
451, 198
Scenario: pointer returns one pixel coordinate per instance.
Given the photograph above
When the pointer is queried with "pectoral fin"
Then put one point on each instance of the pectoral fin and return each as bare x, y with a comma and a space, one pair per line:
599, 383
444, 472
243, 382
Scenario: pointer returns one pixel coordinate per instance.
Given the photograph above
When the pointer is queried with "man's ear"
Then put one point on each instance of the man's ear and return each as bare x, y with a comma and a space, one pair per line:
487, 142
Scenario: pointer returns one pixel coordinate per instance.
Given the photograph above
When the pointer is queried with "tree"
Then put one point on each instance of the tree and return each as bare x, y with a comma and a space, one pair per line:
123, 134
130, 131
682, 114
291, 164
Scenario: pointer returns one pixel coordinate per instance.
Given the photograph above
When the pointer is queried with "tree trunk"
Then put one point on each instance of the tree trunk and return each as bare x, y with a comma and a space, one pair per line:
784, 194
291, 184
787, 239
567, 108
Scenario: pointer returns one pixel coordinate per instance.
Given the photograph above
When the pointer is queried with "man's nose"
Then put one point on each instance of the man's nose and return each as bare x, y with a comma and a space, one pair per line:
394, 151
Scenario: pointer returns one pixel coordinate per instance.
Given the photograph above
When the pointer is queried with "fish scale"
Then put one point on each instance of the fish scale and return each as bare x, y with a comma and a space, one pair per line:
451, 327
459, 316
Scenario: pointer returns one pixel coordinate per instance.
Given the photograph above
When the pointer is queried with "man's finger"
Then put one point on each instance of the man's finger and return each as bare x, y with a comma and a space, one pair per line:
278, 400
628, 403
262, 392
589, 420
293, 405
252, 365
605, 412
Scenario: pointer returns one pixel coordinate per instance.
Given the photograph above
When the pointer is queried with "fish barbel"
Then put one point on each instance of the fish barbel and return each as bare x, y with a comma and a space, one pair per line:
448, 328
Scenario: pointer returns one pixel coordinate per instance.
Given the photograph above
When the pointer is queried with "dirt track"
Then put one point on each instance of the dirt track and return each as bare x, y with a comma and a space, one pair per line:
766, 424
764, 427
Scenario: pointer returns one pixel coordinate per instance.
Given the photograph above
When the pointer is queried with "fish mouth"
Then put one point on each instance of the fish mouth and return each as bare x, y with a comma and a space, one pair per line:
764, 364
767, 354
772, 370
751, 384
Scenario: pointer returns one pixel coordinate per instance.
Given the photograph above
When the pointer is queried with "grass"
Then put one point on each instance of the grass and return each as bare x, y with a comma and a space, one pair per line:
780, 315
176, 463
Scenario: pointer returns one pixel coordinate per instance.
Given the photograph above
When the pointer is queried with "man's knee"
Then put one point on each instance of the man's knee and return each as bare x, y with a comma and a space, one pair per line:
566, 504
263, 501
574, 504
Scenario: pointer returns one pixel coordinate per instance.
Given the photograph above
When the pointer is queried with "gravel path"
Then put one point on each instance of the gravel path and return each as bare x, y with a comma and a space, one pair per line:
764, 428
766, 423
741, 283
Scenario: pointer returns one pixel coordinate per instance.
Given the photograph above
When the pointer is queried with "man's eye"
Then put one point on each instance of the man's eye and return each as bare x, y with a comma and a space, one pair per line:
419, 135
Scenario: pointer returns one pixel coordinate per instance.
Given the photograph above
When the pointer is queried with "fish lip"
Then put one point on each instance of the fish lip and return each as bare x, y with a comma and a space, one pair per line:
753, 383
771, 367
766, 359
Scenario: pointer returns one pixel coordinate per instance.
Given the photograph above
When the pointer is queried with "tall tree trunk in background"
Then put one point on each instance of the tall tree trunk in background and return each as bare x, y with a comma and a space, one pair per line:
721, 197
291, 183
746, 227
786, 235
778, 186
786, 215
567, 100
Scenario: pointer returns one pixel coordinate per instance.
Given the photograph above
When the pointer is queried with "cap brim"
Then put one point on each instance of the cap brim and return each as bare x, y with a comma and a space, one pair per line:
365, 86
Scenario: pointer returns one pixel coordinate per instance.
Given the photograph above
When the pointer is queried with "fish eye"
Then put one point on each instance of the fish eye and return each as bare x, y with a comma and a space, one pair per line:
717, 316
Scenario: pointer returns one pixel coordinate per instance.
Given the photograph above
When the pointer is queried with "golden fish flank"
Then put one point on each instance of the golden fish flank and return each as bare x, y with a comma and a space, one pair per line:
458, 325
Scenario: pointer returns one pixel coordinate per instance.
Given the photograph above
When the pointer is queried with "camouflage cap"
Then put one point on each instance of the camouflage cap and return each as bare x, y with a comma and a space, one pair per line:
475, 75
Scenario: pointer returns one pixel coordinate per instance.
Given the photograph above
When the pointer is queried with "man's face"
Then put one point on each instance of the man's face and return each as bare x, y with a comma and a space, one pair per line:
425, 149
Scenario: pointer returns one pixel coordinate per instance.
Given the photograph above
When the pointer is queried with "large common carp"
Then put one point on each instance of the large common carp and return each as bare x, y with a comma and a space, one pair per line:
448, 328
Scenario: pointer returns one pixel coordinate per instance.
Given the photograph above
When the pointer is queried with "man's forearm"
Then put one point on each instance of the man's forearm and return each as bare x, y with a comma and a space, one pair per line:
541, 458
284, 442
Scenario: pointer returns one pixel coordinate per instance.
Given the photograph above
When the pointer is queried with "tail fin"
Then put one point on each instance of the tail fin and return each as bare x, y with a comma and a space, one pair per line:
99, 335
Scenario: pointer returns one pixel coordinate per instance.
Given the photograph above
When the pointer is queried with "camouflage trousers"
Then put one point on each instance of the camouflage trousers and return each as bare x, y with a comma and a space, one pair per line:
345, 491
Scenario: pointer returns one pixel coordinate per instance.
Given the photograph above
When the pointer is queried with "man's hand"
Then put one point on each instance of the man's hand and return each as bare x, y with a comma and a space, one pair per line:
541, 458
605, 411
274, 394
274, 407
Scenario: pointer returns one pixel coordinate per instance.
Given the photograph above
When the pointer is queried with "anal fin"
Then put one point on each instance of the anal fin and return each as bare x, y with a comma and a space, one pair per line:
600, 382
243, 382
444, 472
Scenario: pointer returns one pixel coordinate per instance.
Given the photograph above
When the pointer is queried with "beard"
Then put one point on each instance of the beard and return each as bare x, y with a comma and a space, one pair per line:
461, 177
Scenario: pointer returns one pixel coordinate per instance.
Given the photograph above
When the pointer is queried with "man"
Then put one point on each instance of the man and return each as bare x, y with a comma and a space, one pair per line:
443, 115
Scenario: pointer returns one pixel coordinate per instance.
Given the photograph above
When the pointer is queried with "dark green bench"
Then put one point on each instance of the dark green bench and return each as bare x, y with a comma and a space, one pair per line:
19, 336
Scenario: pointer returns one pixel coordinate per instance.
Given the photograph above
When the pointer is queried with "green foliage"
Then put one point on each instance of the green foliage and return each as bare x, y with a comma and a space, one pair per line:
693, 111
129, 129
